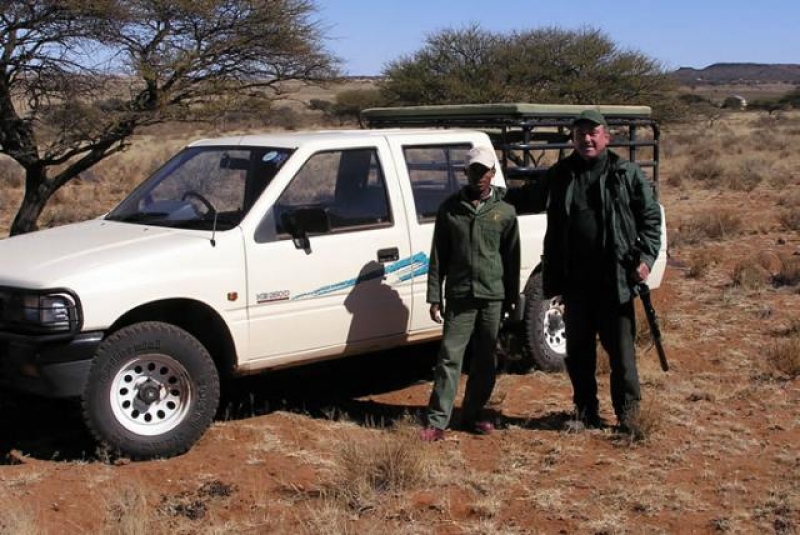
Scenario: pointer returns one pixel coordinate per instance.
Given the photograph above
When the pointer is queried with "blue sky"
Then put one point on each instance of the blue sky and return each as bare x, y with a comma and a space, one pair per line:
367, 34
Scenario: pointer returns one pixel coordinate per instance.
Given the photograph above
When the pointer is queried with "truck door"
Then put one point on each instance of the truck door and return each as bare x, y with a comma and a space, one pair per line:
430, 170
333, 288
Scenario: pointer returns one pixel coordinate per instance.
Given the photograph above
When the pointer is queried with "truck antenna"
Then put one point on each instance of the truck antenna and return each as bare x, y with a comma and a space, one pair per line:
214, 230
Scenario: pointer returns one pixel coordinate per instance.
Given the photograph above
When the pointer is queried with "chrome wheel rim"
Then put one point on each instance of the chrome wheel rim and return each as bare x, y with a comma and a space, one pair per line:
151, 394
553, 327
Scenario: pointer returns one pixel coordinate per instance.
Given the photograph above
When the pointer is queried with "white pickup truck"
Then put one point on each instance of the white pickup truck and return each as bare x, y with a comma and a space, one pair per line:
239, 255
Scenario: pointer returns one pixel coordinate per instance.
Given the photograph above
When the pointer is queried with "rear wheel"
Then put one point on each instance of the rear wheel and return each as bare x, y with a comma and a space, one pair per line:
152, 391
544, 336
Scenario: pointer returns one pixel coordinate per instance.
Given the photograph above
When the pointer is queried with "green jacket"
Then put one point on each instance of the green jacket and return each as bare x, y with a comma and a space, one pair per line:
475, 253
631, 222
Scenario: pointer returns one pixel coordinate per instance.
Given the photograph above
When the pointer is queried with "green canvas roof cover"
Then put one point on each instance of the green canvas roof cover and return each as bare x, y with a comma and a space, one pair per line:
509, 110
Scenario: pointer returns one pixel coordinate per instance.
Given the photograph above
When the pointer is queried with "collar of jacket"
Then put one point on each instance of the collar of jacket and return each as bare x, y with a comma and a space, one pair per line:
574, 168
496, 194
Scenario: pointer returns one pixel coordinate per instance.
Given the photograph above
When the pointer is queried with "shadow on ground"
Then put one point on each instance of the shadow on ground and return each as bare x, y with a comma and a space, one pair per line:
53, 429
329, 389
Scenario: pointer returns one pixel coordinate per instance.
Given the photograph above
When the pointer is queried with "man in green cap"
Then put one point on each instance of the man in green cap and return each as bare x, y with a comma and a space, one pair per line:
473, 279
603, 236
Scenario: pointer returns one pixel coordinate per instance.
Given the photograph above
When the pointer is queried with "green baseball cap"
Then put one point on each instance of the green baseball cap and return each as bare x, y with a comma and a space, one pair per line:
590, 116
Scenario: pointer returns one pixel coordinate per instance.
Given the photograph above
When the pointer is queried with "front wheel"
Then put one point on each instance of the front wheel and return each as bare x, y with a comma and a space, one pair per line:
152, 391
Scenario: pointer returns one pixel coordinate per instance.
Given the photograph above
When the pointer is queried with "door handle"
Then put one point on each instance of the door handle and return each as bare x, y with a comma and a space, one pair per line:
388, 255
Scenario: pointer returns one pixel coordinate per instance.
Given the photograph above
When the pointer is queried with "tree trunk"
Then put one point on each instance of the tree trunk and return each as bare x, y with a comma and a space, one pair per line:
37, 193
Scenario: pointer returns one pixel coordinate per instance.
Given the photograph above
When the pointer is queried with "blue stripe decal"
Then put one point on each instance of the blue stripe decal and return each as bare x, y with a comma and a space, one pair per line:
402, 270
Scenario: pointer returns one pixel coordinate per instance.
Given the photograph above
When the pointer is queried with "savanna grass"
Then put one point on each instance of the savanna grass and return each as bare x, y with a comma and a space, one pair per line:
713, 225
750, 274
384, 462
784, 355
699, 264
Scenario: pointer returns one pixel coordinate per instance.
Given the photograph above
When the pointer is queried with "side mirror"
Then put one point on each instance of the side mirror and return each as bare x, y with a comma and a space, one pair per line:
301, 222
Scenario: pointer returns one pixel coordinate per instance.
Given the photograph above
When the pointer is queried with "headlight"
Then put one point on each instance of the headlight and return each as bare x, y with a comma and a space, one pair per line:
28, 312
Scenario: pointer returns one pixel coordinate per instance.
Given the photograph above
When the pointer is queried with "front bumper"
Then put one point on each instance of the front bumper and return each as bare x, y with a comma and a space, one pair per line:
55, 369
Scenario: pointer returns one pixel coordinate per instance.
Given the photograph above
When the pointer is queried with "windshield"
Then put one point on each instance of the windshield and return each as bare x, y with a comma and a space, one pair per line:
203, 188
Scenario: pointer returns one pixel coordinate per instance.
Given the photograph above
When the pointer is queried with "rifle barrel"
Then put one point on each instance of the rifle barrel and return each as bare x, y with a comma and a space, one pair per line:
652, 320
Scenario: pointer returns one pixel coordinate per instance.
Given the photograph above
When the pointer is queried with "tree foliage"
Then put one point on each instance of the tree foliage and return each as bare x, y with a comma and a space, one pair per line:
79, 77
350, 102
546, 65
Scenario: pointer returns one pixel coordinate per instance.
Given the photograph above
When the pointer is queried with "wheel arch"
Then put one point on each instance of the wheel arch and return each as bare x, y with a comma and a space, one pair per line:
194, 317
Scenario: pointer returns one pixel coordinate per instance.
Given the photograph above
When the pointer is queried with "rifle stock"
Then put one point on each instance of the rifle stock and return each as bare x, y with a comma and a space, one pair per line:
655, 331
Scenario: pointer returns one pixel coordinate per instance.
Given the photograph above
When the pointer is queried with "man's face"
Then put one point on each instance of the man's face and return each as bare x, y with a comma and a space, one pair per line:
480, 178
590, 139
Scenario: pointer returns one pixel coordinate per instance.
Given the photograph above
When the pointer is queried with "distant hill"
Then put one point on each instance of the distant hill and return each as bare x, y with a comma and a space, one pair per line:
740, 73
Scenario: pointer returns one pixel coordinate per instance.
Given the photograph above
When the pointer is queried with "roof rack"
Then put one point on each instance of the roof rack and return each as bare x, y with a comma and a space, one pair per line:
531, 137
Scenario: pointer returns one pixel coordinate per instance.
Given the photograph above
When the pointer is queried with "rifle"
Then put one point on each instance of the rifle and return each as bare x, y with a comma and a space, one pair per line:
655, 331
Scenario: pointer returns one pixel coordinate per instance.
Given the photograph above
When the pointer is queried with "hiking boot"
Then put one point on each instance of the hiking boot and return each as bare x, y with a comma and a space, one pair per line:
431, 434
630, 424
480, 427
582, 423
631, 428
593, 421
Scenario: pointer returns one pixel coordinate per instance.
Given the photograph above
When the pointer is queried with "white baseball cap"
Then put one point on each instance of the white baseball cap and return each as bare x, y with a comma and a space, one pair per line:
481, 154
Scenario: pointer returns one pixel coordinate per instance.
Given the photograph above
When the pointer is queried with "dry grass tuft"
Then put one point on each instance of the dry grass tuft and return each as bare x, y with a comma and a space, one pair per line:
707, 171
713, 225
750, 274
128, 513
789, 272
648, 420
784, 355
699, 264
751, 174
790, 219
16, 520
326, 517
782, 510
384, 462
674, 180
790, 200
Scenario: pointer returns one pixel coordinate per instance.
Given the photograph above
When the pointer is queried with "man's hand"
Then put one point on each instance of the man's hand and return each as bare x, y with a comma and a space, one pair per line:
436, 312
642, 272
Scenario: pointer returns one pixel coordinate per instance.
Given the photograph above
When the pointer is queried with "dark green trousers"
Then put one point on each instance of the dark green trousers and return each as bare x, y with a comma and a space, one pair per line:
465, 319
586, 317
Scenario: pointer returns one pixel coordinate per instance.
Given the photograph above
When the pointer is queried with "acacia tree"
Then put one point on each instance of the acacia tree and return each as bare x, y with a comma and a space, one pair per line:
79, 77
454, 66
547, 65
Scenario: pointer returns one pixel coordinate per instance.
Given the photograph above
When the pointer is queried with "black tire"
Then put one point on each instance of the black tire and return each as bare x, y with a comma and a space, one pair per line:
544, 339
152, 391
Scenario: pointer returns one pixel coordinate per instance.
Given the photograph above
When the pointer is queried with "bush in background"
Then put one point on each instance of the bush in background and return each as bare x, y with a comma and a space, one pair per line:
712, 225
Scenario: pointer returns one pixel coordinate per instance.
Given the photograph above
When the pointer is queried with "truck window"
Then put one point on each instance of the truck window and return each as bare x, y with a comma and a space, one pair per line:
349, 185
436, 172
202, 188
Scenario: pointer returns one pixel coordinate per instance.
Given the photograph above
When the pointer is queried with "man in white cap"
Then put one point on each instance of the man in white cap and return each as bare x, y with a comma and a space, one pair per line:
476, 252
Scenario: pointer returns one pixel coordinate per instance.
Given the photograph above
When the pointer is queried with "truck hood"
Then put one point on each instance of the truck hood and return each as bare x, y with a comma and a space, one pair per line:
51, 258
